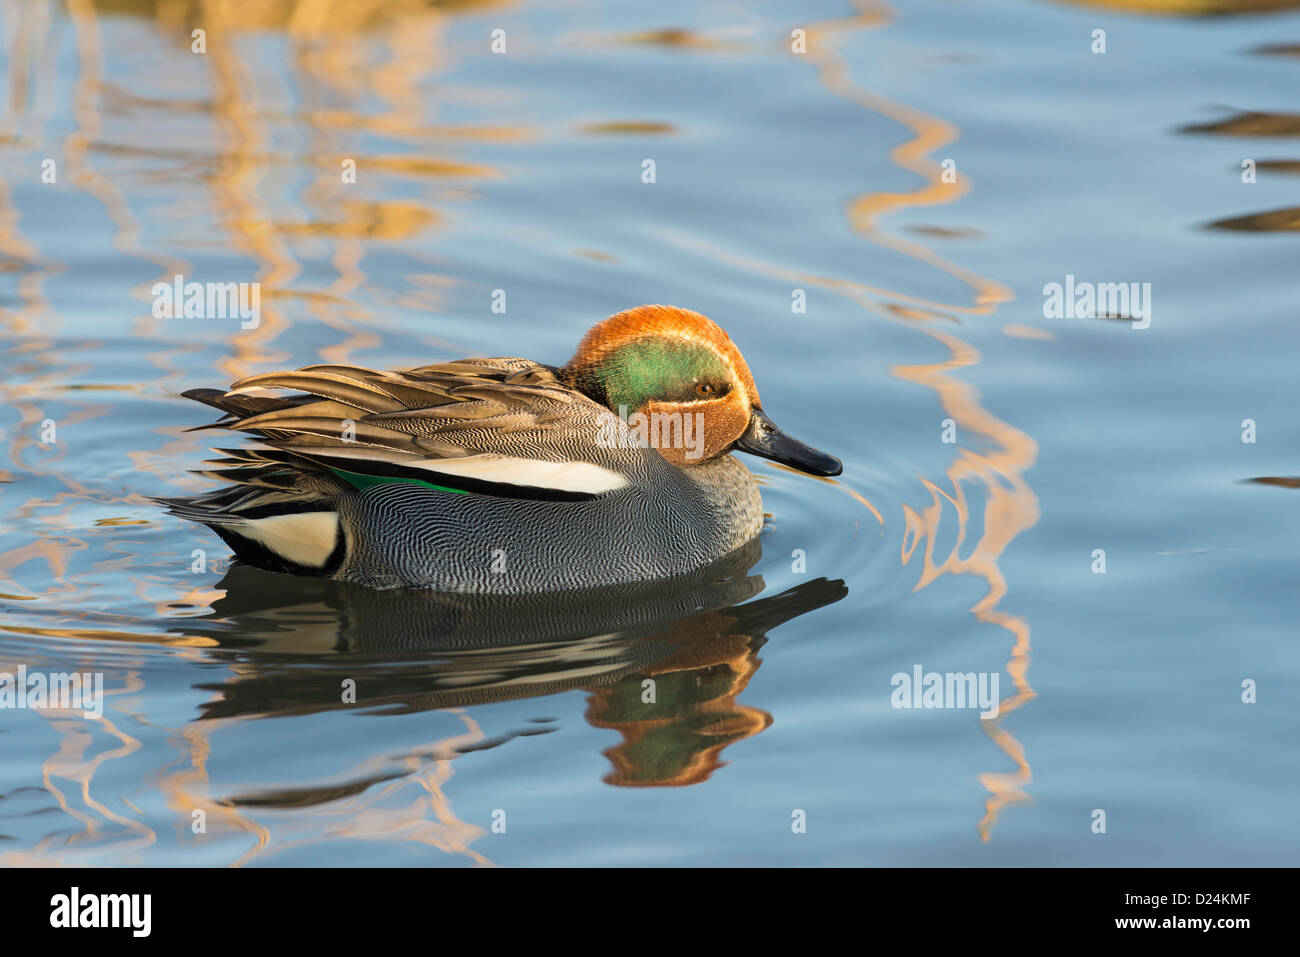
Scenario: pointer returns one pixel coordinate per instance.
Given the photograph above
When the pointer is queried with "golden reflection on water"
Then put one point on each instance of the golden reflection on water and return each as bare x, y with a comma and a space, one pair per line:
1188, 8
1010, 506
66, 777
328, 63
701, 665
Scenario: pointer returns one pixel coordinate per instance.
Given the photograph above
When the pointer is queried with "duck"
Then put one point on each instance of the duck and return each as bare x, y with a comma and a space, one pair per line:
501, 475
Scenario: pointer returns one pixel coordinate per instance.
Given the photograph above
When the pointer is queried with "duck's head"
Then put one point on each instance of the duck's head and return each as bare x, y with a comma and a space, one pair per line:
661, 359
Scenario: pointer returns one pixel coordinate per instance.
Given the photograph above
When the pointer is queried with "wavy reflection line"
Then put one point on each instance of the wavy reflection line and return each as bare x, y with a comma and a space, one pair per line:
33, 325
70, 761
324, 59
913, 155
370, 815
427, 819
1189, 8
1010, 509
241, 163
238, 207
46, 373
73, 761
187, 790
1011, 505
328, 66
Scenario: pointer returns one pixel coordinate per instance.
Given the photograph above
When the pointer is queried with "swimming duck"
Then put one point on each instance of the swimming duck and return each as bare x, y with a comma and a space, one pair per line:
502, 475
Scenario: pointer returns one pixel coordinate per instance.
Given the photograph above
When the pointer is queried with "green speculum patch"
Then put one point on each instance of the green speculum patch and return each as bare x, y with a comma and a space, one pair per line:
360, 481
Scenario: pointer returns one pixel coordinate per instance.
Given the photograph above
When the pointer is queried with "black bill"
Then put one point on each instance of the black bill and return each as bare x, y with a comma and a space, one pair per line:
763, 438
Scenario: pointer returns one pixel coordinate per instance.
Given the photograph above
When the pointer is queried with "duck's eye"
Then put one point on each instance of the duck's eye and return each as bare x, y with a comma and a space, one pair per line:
705, 388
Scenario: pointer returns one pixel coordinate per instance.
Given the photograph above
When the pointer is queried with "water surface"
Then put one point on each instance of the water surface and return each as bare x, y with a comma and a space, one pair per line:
990, 452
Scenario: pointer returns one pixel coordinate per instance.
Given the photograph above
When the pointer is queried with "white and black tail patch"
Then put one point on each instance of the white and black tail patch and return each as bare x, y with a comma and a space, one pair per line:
301, 542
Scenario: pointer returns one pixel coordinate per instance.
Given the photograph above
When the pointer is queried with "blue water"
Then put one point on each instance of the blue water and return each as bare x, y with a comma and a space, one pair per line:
509, 735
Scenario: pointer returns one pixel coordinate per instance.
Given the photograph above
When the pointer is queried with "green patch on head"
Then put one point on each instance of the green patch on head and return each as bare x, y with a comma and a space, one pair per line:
655, 367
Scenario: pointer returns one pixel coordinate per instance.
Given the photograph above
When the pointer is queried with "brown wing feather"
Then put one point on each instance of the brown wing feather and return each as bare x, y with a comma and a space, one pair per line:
445, 410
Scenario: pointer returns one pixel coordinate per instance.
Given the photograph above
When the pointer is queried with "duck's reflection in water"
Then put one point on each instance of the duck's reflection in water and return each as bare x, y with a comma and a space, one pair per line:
663, 662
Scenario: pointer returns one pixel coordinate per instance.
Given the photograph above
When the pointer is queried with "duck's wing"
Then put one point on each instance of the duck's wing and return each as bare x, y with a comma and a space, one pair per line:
502, 426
